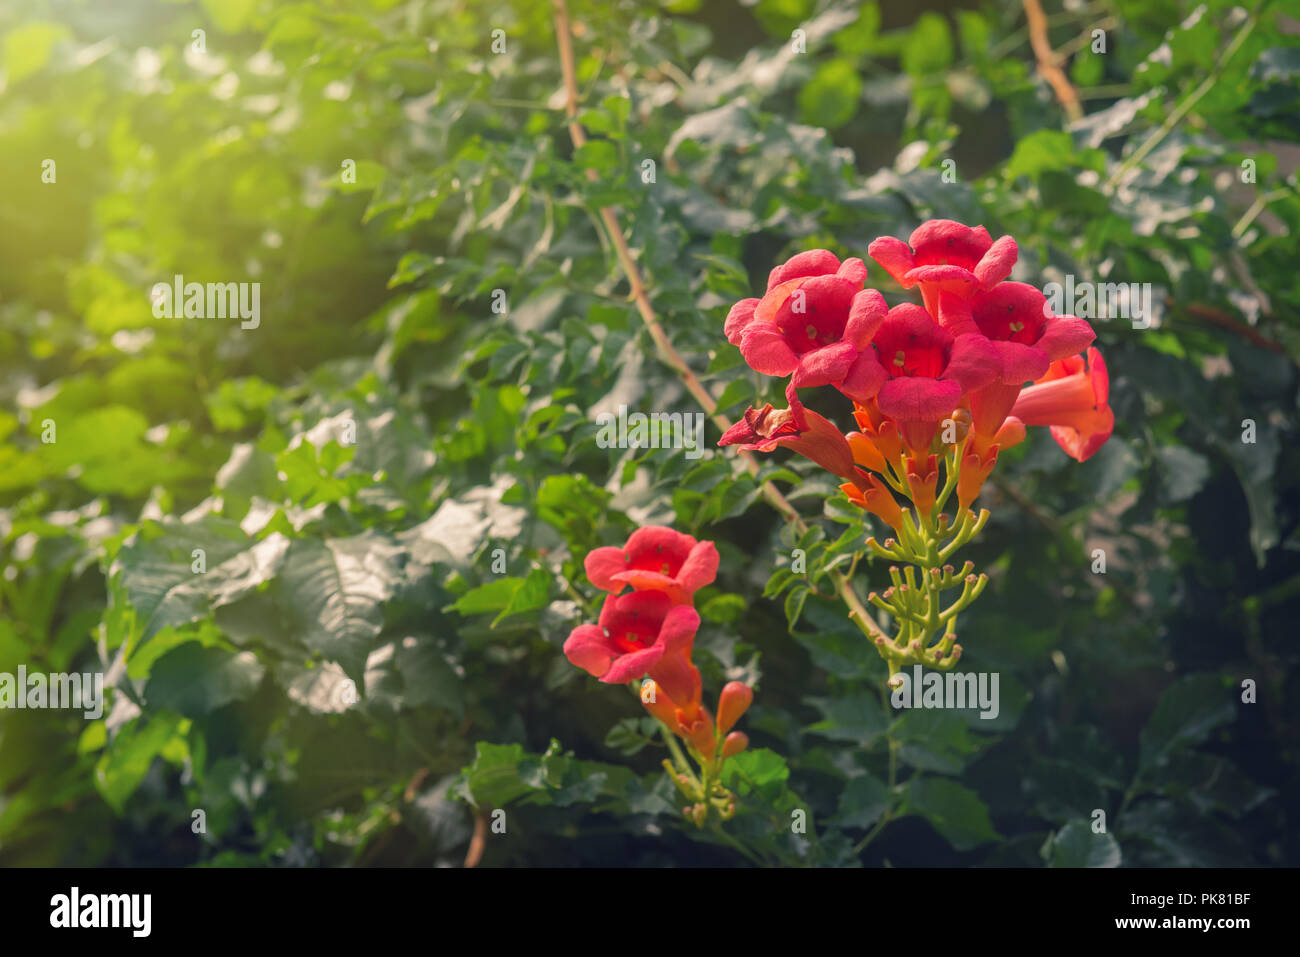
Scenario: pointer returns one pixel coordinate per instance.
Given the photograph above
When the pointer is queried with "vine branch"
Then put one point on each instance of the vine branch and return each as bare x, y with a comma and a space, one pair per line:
1049, 63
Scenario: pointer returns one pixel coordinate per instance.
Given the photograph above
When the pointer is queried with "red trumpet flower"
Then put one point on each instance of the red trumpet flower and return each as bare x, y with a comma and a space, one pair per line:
687, 719
641, 633
1019, 324
804, 431
655, 558
813, 323
1072, 398
945, 256
927, 371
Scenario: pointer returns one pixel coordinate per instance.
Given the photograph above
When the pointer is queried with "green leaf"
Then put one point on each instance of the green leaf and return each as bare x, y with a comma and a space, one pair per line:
509, 596
492, 596
779, 17
175, 573
1077, 845
501, 774
1188, 711
928, 48
598, 155
496, 777
130, 754
107, 450
533, 593
794, 603
27, 48
1040, 152
935, 740
429, 676
230, 16
334, 591
835, 645
757, 770
831, 97
631, 735
864, 800
723, 609
956, 812
192, 680
860, 36
857, 719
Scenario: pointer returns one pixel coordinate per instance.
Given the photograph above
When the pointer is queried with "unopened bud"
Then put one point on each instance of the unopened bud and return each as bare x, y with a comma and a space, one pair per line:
734, 701
865, 452
736, 742
961, 419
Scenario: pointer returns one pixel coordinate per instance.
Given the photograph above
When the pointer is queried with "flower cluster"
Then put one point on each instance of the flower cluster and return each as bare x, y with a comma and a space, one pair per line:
650, 631
938, 388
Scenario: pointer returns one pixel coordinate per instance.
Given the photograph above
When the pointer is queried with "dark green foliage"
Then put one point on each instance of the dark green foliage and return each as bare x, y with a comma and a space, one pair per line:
360, 468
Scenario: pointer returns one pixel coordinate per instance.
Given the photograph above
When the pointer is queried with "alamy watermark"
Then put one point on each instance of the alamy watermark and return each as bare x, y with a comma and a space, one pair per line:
950, 690
60, 690
130, 911
658, 430
215, 300
1106, 300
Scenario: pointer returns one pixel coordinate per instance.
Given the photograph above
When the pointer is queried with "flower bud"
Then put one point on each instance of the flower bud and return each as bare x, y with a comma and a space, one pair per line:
736, 742
865, 452
961, 419
732, 703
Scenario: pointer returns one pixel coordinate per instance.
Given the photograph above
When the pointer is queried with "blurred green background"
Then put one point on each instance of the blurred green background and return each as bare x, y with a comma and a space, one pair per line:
350, 467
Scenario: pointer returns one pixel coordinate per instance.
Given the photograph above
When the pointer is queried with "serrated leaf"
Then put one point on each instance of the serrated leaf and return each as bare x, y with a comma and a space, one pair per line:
335, 590
956, 812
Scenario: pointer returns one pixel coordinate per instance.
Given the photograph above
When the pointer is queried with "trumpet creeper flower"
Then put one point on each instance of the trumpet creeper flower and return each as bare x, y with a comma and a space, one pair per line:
927, 371
813, 323
655, 558
640, 633
1018, 322
798, 428
1073, 400
946, 256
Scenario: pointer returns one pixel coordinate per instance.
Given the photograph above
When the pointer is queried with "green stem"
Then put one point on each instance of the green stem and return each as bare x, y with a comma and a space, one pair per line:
952, 467
1186, 106
679, 759
735, 844
1256, 208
